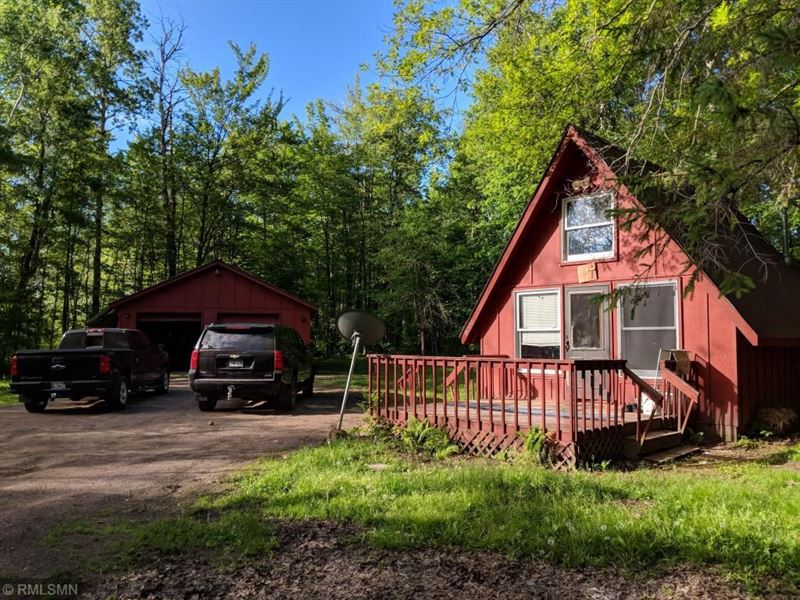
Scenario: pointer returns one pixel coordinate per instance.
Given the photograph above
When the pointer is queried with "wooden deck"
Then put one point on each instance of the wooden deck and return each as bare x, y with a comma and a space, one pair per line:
490, 403
508, 416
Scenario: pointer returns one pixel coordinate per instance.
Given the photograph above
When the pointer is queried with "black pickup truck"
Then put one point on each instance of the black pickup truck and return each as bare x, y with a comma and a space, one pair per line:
106, 363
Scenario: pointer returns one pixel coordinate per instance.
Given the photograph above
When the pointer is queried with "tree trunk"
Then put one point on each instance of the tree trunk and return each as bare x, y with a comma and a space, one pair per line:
787, 248
98, 250
170, 46
99, 199
29, 264
68, 277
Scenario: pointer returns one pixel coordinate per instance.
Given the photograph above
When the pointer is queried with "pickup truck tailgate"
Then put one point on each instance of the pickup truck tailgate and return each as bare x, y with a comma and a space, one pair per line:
60, 365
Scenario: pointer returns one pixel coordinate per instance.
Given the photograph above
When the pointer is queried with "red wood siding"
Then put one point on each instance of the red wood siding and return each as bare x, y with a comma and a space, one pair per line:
217, 294
237, 317
769, 377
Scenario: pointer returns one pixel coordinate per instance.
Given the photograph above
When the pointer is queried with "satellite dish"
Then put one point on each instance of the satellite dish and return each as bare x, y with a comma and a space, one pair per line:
361, 328
369, 327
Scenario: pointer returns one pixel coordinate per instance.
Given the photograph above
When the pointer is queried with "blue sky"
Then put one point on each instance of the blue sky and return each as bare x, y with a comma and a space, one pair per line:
316, 47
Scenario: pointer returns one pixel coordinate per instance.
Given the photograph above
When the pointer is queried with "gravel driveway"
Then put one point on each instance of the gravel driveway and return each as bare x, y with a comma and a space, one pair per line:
80, 458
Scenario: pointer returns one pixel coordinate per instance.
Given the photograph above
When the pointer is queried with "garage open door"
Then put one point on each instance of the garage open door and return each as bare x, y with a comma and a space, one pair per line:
178, 333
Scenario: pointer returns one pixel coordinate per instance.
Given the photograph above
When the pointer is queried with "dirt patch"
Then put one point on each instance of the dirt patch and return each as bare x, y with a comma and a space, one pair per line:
767, 452
325, 560
80, 460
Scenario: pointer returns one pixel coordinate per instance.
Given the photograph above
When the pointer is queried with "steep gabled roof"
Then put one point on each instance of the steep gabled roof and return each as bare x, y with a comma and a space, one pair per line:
772, 309
215, 264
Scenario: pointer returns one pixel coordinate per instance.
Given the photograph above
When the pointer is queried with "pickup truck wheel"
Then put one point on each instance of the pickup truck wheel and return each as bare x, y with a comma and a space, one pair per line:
163, 384
308, 391
34, 404
206, 403
117, 397
287, 396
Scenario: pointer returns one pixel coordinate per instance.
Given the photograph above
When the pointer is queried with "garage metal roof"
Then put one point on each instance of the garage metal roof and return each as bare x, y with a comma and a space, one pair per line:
215, 264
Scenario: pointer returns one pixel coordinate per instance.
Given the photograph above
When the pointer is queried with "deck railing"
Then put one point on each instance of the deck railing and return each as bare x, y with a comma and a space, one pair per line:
680, 397
506, 395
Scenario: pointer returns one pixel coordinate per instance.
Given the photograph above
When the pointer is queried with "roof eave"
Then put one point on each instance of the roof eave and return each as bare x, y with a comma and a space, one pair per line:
468, 332
216, 263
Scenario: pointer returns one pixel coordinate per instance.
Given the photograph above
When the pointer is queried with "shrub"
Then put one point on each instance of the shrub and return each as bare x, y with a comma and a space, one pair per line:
420, 437
376, 427
776, 421
695, 437
539, 446
794, 453
747, 443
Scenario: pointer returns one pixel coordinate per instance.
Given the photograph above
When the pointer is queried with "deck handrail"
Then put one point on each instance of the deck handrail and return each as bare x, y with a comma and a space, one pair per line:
685, 388
493, 357
656, 396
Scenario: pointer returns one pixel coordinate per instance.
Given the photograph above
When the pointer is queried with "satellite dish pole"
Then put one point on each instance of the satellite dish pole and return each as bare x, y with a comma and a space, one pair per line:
356, 339
360, 328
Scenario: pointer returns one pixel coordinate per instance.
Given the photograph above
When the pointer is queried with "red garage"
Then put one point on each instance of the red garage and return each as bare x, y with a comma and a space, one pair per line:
175, 311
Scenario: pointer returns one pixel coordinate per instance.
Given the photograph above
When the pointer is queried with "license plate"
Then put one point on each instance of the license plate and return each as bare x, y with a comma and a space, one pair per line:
58, 385
235, 363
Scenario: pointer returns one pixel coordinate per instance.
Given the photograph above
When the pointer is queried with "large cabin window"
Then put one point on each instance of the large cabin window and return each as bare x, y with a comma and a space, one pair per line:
539, 324
648, 323
588, 230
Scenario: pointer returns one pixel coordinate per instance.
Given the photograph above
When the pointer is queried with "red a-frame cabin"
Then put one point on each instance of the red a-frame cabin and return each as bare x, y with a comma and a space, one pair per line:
591, 375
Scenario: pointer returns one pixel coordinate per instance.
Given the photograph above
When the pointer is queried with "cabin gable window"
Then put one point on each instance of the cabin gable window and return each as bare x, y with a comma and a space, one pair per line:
587, 228
538, 324
648, 323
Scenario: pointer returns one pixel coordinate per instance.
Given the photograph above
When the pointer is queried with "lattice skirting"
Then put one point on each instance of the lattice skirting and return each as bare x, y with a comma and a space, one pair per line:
563, 455
600, 444
592, 445
484, 443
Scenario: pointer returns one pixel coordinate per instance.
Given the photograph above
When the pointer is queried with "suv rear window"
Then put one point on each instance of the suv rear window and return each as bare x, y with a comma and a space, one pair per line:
254, 340
76, 340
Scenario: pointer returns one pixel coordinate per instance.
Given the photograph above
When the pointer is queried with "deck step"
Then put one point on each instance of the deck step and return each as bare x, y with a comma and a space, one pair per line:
654, 441
676, 453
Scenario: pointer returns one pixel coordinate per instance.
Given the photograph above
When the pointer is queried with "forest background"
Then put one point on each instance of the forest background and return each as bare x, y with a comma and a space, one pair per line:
389, 201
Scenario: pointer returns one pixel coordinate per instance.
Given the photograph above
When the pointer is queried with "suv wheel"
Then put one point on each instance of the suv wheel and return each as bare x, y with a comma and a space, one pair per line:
287, 396
34, 404
206, 403
117, 397
163, 385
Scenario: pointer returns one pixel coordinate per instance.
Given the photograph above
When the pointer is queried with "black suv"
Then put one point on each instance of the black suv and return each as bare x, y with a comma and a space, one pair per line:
251, 362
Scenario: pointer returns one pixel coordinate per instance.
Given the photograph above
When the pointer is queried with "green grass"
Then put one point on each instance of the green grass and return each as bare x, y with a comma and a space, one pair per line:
232, 535
6, 397
742, 519
745, 518
789, 454
331, 375
337, 366
330, 383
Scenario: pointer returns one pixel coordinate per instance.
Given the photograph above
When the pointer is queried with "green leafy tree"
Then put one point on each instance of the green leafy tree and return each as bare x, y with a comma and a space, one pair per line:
707, 89
113, 70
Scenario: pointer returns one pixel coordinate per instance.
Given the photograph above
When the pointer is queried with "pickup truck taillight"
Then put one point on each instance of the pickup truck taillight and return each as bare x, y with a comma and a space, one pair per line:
12, 366
105, 365
194, 359
278, 360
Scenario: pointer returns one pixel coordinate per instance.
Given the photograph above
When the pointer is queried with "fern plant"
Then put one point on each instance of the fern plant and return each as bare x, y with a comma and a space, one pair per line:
420, 437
